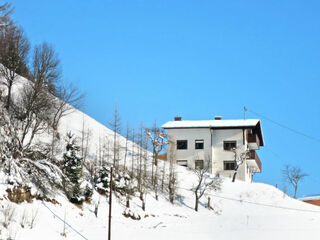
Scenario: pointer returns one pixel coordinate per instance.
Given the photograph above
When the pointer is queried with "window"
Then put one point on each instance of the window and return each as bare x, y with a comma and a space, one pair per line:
229, 145
182, 144
183, 163
229, 165
199, 144
199, 164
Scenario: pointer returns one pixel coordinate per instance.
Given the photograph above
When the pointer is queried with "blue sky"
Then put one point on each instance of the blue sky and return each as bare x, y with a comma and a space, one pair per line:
196, 59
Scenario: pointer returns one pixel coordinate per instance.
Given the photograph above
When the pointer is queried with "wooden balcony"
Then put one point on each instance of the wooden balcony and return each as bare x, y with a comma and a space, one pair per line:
253, 141
254, 161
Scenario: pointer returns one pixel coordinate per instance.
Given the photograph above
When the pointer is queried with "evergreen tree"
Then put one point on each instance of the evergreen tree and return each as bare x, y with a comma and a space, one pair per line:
72, 166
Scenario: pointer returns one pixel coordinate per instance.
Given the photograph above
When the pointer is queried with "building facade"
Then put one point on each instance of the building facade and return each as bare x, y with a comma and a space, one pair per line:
220, 144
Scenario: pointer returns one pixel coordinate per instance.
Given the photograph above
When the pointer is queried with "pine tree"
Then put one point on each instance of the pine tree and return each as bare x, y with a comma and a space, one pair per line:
72, 166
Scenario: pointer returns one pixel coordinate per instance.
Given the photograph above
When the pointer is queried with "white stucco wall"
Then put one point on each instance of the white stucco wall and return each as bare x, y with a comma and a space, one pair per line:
191, 135
220, 155
216, 154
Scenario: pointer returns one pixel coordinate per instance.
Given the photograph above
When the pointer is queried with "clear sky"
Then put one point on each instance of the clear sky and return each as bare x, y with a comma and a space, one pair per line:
196, 59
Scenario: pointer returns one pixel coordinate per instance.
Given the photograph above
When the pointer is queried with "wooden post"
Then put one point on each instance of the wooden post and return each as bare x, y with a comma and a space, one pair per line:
110, 202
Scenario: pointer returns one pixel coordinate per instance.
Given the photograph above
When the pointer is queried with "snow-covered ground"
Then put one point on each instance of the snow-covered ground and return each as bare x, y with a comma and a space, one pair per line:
241, 210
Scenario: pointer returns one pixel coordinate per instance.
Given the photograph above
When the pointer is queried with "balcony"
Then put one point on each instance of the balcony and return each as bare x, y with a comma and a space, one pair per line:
254, 162
253, 141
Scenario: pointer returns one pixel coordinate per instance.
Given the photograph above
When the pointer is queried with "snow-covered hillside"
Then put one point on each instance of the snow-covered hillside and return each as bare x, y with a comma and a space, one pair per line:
240, 210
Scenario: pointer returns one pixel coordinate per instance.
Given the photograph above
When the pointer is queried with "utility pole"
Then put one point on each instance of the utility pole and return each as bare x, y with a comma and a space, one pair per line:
244, 112
110, 202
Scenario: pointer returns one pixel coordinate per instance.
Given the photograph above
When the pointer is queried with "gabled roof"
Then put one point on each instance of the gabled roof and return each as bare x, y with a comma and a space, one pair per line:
211, 123
218, 124
310, 198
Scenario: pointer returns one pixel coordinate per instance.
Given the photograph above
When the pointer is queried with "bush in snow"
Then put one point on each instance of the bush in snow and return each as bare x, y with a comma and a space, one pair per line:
102, 180
128, 213
20, 170
8, 213
72, 168
122, 183
88, 192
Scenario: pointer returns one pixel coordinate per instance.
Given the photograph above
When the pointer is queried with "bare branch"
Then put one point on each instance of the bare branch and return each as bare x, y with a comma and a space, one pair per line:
293, 175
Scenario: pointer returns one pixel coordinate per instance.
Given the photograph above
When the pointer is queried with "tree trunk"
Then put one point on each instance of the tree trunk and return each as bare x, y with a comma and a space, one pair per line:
156, 192
156, 182
171, 197
128, 202
125, 154
234, 176
295, 191
163, 176
9, 95
196, 204
96, 210
152, 168
141, 195
143, 205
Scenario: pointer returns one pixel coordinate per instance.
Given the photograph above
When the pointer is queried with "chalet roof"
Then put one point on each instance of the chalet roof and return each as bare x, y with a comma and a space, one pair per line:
211, 123
310, 198
222, 124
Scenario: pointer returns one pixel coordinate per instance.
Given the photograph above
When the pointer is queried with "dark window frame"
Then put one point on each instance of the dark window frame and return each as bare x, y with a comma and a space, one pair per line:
227, 145
182, 161
179, 146
197, 142
199, 161
229, 165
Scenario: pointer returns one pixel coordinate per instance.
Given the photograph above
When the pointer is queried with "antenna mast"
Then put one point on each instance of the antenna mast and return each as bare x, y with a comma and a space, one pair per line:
244, 112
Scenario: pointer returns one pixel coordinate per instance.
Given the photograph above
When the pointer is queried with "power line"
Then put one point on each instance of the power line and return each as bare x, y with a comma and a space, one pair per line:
265, 205
64, 222
256, 203
284, 126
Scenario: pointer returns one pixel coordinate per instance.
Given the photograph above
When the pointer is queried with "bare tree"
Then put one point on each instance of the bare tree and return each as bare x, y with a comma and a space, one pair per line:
68, 99
46, 69
126, 147
35, 109
205, 182
293, 175
14, 49
115, 126
172, 178
32, 112
239, 156
106, 148
6, 10
163, 176
85, 139
140, 155
144, 184
133, 153
158, 140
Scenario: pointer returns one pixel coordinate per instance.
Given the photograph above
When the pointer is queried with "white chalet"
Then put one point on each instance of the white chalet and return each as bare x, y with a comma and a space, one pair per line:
220, 142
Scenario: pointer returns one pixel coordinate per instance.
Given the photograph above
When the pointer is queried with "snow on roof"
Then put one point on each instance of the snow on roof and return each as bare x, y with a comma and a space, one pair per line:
211, 123
309, 198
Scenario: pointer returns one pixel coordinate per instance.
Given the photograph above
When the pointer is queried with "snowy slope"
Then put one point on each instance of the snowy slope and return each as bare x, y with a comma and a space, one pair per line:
241, 210
262, 213
75, 122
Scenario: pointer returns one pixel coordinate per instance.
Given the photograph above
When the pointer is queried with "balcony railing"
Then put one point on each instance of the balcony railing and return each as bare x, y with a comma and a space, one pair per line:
253, 141
254, 156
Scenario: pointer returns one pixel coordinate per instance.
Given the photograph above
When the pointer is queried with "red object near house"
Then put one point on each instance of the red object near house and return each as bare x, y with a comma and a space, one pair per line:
315, 200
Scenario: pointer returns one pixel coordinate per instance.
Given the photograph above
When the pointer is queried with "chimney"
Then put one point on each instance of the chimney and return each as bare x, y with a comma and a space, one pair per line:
176, 118
217, 118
